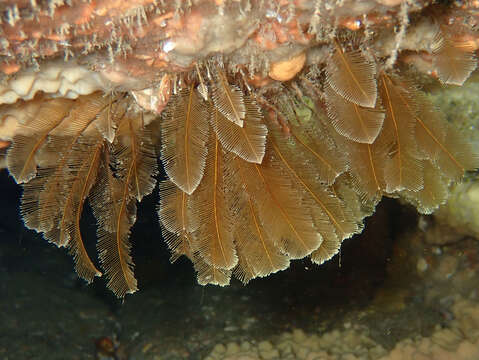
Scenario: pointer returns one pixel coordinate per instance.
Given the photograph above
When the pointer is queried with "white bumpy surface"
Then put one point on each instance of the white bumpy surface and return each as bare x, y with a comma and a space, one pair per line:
58, 79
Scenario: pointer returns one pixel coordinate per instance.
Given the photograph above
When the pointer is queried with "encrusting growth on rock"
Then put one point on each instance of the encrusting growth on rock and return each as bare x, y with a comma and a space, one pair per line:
277, 141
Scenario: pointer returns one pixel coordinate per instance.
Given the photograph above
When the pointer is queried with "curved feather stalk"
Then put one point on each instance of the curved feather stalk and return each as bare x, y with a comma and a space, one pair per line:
208, 274
114, 202
314, 145
84, 162
184, 133
440, 142
42, 195
357, 123
80, 190
403, 170
22, 155
454, 59
228, 99
244, 271
352, 76
257, 253
115, 212
178, 219
434, 193
249, 141
330, 215
214, 203
107, 118
281, 209
367, 166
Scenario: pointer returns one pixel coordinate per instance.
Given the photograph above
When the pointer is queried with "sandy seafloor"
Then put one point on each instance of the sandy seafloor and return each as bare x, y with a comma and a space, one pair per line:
407, 288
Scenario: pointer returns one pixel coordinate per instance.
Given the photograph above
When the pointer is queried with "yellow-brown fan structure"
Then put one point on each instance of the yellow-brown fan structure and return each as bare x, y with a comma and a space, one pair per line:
257, 177
85, 161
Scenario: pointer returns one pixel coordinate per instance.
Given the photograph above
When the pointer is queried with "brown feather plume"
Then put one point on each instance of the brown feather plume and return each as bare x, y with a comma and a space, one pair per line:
441, 142
329, 214
357, 123
214, 203
282, 212
257, 252
184, 134
434, 193
249, 141
22, 155
352, 76
454, 59
403, 170
83, 163
75, 161
41, 195
178, 219
367, 166
314, 144
228, 99
114, 203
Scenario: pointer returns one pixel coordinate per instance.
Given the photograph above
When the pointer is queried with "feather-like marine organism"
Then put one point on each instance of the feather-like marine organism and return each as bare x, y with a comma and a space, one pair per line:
174, 209
367, 164
355, 122
257, 252
115, 212
403, 170
454, 59
125, 177
228, 99
214, 202
184, 134
79, 173
106, 120
352, 75
208, 274
86, 168
330, 216
314, 145
440, 142
178, 219
75, 161
22, 155
42, 195
434, 193
281, 210
248, 141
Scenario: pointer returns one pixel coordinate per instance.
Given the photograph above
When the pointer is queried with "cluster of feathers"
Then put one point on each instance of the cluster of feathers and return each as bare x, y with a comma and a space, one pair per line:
254, 179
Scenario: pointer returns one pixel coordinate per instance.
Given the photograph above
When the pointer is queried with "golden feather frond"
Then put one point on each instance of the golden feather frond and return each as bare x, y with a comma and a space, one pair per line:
314, 145
355, 122
257, 252
127, 175
214, 202
97, 148
248, 141
404, 170
228, 99
352, 75
184, 134
454, 59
